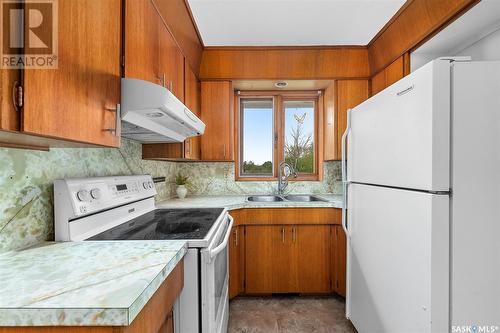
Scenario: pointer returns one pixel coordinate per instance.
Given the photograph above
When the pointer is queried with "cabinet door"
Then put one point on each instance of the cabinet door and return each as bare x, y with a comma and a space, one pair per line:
234, 262
217, 99
259, 258
192, 98
171, 65
142, 27
350, 93
339, 260
70, 103
313, 257
285, 250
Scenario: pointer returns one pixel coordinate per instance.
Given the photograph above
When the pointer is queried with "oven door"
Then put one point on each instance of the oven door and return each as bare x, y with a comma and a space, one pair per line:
214, 281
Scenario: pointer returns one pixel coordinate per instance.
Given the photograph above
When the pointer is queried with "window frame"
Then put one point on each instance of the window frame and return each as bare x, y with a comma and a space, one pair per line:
279, 97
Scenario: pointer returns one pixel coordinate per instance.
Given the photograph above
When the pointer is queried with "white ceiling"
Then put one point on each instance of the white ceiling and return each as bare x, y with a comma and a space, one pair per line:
291, 22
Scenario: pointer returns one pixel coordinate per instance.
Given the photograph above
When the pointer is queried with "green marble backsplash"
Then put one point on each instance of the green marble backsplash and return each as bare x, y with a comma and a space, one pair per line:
27, 176
217, 178
26, 184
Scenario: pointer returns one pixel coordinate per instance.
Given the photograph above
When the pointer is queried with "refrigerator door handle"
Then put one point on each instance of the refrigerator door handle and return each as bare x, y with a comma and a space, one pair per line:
345, 183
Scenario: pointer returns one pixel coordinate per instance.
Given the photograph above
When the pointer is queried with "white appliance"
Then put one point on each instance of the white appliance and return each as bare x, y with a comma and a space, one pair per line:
123, 208
151, 113
421, 215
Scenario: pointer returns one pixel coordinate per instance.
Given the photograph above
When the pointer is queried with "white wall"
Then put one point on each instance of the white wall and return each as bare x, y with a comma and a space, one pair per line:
485, 49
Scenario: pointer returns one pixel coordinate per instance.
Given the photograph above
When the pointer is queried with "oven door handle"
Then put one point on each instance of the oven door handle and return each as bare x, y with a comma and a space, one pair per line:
221, 246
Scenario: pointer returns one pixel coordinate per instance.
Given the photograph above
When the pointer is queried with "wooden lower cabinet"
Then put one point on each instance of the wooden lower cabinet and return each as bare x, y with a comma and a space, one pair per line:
287, 259
287, 250
339, 260
313, 256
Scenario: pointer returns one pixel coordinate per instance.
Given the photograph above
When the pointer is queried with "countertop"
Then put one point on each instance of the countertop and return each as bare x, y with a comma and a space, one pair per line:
232, 202
83, 283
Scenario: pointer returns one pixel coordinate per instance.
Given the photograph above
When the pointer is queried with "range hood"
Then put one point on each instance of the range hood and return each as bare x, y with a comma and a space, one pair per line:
152, 114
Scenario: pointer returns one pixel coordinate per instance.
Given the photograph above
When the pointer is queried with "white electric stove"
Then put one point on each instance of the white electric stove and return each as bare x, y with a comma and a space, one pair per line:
123, 208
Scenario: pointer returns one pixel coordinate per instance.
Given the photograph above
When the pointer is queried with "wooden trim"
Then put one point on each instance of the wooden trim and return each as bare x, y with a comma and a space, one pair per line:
283, 47
278, 154
188, 7
414, 24
390, 22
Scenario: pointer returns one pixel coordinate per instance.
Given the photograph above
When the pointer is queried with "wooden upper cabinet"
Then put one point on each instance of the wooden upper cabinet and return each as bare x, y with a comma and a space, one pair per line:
217, 104
171, 67
192, 99
9, 116
339, 97
142, 40
71, 102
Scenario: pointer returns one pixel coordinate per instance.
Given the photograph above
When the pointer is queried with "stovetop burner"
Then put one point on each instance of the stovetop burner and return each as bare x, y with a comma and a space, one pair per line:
165, 224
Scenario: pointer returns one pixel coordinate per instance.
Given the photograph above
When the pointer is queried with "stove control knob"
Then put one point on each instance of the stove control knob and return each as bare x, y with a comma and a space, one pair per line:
145, 185
83, 195
95, 193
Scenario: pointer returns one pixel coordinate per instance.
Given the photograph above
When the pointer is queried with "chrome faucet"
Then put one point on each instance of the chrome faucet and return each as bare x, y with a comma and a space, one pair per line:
284, 172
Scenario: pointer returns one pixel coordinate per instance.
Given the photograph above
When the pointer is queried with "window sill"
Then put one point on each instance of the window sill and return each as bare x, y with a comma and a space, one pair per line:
311, 178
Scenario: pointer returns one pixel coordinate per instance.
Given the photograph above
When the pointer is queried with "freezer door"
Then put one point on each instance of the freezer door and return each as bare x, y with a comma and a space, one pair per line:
400, 137
475, 227
398, 259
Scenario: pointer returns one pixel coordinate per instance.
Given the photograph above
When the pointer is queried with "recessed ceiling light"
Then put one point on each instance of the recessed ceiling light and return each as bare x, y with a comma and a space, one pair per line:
281, 84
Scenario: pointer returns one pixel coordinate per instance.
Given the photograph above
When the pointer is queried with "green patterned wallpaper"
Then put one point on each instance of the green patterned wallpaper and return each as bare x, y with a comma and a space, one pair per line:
26, 180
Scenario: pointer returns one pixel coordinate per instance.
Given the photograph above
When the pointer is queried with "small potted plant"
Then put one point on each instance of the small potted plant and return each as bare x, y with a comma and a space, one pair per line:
181, 182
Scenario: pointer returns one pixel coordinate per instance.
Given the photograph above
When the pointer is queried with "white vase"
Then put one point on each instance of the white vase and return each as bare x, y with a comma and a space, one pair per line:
181, 191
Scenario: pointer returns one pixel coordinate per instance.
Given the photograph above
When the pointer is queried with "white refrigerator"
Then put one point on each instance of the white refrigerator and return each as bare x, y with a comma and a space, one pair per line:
422, 202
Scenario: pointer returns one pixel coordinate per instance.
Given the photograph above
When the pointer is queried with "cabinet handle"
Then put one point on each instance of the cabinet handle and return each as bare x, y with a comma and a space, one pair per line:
118, 121
162, 79
294, 233
236, 237
17, 95
171, 86
283, 235
224, 151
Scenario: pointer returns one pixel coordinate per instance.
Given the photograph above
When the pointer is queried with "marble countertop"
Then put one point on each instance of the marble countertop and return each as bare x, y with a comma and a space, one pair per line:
232, 202
83, 283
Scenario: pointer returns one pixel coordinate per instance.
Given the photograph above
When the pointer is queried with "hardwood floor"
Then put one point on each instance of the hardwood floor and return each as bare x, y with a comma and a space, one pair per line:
288, 314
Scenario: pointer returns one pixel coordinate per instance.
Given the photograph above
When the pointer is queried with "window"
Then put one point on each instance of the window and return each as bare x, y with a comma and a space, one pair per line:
275, 127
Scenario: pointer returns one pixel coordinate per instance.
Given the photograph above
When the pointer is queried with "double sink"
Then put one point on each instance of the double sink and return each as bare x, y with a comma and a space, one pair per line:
288, 198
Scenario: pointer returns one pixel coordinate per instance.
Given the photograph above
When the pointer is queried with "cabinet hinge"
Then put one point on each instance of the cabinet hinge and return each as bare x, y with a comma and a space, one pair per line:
17, 95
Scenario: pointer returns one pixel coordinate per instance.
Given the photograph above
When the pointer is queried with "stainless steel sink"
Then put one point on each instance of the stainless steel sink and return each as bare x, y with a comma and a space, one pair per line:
264, 198
303, 198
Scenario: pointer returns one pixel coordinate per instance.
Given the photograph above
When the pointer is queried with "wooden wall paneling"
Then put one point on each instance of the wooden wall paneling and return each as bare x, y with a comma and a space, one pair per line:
313, 244
329, 124
350, 93
177, 16
70, 102
162, 151
394, 72
378, 83
284, 63
9, 117
151, 319
142, 41
413, 24
259, 258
